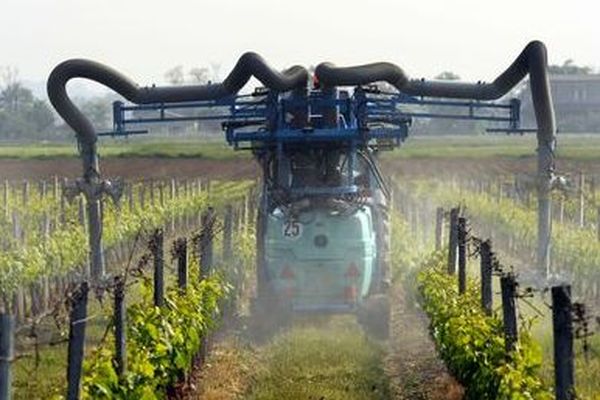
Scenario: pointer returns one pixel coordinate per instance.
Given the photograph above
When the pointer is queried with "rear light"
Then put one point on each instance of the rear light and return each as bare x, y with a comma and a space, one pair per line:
287, 273
352, 272
350, 294
351, 289
289, 292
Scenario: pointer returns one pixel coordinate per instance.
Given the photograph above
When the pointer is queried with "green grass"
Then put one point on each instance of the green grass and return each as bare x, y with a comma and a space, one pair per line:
573, 147
123, 148
47, 380
334, 361
587, 370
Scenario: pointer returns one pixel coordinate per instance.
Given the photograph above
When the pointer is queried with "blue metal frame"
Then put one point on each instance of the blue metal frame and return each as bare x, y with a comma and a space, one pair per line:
264, 122
358, 116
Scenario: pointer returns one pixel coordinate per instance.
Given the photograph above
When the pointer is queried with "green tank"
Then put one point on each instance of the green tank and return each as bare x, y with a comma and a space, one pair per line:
322, 259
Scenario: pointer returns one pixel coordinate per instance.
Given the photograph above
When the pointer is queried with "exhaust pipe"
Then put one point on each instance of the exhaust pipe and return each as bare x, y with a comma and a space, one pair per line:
250, 64
533, 60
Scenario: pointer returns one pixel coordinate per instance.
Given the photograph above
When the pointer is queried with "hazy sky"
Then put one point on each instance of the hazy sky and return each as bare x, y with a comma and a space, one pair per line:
144, 38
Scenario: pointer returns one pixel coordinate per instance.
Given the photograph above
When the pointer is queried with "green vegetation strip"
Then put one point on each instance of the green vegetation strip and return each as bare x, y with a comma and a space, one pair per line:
472, 344
572, 248
575, 147
333, 362
575, 250
67, 247
122, 148
161, 343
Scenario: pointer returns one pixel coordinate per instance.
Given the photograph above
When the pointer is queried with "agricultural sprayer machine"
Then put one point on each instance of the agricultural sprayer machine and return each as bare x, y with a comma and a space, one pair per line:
323, 229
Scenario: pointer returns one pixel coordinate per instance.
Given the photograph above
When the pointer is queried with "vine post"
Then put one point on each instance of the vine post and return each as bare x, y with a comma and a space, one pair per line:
152, 200
81, 212
453, 240
156, 246
562, 325
120, 316
172, 195
485, 254
508, 285
182, 267
6, 199
142, 196
462, 255
581, 209
7, 326
439, 225
161, 193
228, 233
206, 243
55, 186
130, 199
18, 308
16, 225
25, 192
206, 263
77, 322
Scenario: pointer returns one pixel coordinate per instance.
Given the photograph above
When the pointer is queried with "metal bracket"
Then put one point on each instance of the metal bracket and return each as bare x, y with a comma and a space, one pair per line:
562, 183
94, 191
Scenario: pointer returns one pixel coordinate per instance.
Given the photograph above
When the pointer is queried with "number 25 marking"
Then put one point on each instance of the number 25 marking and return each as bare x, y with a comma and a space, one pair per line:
292, 229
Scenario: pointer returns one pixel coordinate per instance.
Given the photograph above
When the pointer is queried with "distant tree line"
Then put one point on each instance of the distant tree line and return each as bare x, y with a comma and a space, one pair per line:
22, 115
569, 67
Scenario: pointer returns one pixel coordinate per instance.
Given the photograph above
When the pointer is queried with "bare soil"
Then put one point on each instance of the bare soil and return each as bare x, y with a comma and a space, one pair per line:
131, 168
157, 168
413, 366
478, 168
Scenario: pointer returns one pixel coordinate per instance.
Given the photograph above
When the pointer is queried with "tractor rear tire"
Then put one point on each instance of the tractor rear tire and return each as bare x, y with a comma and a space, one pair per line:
384, 251
262, 284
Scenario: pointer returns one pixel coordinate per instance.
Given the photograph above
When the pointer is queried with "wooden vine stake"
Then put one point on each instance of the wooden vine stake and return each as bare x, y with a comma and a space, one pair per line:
77, 322
228, 233
7, 337
453, 240
182, 267
206, 243
462, 255
508, 284
156, 245
562, 325
120, 320
485, 254
439, 225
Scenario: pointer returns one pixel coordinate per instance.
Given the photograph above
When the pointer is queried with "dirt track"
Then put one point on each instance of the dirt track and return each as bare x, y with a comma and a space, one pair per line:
412, 364
412, 368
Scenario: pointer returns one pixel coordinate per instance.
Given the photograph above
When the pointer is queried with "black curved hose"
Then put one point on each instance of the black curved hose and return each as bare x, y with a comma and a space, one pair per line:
533, 60
250, 64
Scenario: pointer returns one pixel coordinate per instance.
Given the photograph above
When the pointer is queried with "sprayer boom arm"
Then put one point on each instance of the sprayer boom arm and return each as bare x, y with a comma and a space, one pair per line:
260, 119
